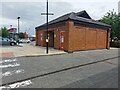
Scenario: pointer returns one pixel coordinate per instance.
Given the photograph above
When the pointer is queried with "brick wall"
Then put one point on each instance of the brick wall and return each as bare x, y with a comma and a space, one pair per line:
76, 37
40, 38
56, 31
84, 38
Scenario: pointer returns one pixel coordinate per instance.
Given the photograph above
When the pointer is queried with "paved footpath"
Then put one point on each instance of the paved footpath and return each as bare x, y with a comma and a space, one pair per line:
31, 68
27, 50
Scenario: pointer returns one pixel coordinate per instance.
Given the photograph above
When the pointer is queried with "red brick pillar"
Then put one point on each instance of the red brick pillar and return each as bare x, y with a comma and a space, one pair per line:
108, 39
70, 27
36, 37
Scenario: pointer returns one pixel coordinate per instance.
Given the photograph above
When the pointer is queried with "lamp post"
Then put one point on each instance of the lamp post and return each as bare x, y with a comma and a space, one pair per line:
10, 26
18, 28
9, 32
47, 25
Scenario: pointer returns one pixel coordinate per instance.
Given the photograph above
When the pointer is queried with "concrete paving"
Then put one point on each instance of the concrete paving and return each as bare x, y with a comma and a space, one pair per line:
27, 50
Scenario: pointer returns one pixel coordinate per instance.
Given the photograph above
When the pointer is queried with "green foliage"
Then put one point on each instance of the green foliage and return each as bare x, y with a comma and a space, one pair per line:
115, 44
3, 32
21, 35
113, 19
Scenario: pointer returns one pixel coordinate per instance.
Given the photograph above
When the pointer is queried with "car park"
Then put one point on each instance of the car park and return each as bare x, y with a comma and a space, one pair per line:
24, 41
7, 41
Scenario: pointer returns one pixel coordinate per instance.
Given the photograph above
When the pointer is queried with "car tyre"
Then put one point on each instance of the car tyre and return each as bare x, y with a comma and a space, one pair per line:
12, 43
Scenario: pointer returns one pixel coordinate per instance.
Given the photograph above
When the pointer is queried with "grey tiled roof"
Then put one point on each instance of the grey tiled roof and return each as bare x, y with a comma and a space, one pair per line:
80, 16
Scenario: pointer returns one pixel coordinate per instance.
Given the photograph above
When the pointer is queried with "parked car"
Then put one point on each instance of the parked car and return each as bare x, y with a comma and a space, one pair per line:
6, 41
24, 41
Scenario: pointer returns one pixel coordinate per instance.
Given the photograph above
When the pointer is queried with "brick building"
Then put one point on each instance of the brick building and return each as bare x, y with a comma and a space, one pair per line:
13, 33
74, 31
25, 35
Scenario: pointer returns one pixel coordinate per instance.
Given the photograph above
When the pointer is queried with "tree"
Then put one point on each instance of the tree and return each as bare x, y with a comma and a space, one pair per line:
21, 35
4, 32
112, 19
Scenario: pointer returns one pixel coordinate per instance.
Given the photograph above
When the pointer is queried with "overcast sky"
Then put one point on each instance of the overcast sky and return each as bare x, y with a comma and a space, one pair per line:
30, 11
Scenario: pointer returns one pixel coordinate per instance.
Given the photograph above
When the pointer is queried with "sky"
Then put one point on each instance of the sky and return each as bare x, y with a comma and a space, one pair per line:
30, 11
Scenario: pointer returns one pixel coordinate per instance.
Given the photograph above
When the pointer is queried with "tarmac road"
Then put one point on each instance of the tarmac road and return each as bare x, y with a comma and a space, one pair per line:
15, 69
108, 79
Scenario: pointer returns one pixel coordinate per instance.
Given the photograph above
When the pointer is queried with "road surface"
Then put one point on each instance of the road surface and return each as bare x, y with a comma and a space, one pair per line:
62, 70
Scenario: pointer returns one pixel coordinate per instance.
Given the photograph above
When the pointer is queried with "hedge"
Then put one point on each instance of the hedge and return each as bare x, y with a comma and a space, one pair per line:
115, 44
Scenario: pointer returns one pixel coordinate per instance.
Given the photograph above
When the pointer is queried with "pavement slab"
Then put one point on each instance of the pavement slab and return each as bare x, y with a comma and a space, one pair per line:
27, 50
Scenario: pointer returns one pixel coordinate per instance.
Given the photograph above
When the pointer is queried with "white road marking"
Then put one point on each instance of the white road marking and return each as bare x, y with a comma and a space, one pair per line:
19, 71
6, 74
12, 72
10, 65
17, 85
8, 60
